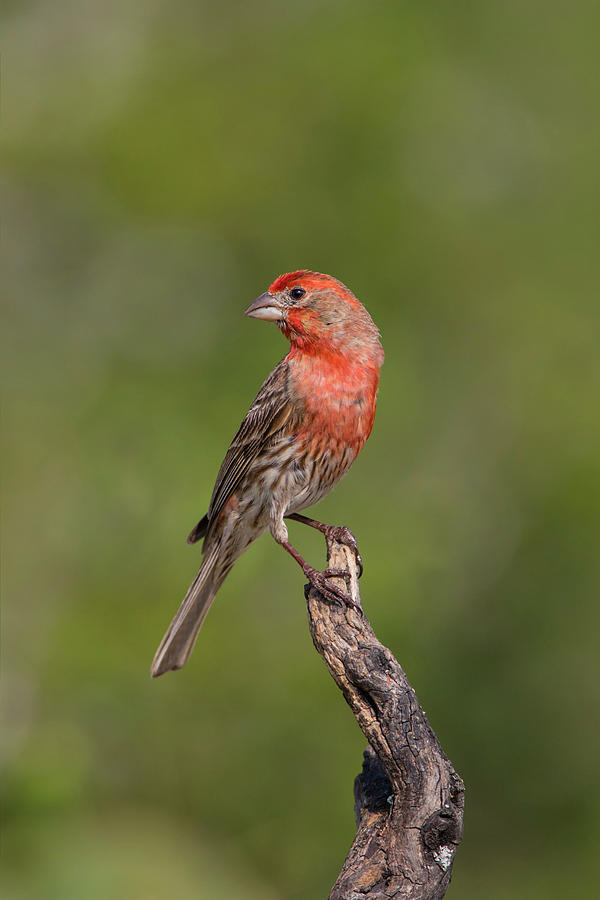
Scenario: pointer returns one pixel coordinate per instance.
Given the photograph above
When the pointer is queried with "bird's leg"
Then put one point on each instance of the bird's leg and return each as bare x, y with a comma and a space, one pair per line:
338, 533
320, 580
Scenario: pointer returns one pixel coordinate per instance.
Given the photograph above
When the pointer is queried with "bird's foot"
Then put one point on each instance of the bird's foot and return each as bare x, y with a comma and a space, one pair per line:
320, 581
338, 533
344, 536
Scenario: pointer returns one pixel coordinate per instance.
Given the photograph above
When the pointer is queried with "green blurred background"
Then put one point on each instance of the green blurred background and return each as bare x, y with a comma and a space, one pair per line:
164, 161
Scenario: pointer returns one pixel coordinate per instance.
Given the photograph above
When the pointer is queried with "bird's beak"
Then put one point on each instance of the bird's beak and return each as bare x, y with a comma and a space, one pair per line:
266, 307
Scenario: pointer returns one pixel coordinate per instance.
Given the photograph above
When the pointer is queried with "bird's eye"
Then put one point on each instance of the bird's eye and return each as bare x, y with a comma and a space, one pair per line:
297, 292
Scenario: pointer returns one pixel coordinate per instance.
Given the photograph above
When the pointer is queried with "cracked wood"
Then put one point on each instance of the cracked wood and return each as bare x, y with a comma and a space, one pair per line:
408, 798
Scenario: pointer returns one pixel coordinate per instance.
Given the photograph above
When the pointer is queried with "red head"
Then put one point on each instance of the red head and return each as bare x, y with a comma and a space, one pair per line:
318, 313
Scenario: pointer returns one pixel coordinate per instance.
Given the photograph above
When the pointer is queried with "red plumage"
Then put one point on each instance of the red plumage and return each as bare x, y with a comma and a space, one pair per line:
306, 426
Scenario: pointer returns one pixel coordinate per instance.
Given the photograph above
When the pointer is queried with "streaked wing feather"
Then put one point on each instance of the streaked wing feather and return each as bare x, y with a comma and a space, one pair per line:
271, 413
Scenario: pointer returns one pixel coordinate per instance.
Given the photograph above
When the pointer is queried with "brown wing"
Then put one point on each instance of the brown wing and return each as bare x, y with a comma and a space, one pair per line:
271, 413
198, 531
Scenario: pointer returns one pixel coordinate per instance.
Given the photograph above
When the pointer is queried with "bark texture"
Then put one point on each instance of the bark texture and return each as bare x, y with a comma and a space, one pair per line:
408, 798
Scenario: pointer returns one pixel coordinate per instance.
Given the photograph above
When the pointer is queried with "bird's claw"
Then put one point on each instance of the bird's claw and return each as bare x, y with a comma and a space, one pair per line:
344, 536
320, 581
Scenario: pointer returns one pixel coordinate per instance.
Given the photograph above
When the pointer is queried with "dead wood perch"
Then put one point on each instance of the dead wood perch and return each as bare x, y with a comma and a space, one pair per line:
408, 798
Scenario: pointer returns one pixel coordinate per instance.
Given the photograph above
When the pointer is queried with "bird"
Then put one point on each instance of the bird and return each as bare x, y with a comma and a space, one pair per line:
306, 426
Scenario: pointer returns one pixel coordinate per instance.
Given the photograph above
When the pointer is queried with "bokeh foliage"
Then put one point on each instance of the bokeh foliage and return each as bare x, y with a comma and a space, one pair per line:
163, 162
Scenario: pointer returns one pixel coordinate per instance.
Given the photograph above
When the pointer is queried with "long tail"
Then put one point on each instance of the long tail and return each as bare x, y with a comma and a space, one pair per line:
181, 635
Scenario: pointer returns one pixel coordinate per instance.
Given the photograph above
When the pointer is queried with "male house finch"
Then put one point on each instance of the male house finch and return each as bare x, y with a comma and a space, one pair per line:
306, 426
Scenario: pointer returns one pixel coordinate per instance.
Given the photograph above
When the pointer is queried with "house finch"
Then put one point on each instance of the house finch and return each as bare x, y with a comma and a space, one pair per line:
306, 426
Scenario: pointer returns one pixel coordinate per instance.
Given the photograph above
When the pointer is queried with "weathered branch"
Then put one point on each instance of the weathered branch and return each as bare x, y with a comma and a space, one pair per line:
408, 798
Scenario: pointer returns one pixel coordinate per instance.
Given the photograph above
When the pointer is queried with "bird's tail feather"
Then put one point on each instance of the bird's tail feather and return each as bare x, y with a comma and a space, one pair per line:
178, 642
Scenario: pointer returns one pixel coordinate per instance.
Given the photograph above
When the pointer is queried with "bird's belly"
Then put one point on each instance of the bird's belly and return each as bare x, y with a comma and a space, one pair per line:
312, 476
293, 473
